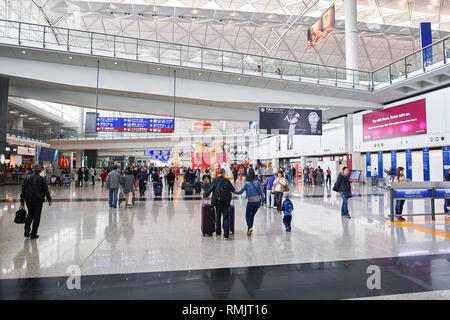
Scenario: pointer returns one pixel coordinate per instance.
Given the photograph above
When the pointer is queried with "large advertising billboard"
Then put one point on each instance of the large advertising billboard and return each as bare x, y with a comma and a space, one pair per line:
404, 120
321, 28
291, 121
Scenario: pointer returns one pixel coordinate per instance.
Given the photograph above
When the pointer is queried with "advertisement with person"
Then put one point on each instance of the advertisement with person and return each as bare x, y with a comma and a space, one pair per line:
322, 27
291, 121
404, 120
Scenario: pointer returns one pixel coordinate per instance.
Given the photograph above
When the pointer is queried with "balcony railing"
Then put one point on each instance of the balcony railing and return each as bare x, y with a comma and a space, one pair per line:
172, 54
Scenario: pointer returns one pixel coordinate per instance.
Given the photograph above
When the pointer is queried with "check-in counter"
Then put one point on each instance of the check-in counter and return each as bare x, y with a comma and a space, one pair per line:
419, 190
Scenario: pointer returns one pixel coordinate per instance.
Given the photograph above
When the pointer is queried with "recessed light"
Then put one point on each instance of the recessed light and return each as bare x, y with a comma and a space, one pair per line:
239, 78
46, 123
23, 51
199, 73
32, 118
70, 57
13, 111
115, 62
158, 68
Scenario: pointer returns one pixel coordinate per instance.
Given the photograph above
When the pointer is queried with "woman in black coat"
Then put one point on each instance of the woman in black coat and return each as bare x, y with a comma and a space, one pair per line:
343, 187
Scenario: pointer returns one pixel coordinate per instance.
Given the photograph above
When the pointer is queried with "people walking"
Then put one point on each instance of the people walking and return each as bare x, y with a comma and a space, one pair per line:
270, 196
279, 186
399, 178
288, 209
34, 192
128, 187
255, 196
93, 173
328, 176
103, 176
80, 174
170, 181
142, 177
112, 184
342, 186
221, 189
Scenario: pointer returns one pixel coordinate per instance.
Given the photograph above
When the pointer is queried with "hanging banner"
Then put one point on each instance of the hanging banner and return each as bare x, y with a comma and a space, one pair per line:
368, 165
291, 121
380, 164
408, 154
321, 28
394, 161
426, 38
446, 159
426, 164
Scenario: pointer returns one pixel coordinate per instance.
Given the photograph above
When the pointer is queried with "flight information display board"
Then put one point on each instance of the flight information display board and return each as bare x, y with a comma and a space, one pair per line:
112, 124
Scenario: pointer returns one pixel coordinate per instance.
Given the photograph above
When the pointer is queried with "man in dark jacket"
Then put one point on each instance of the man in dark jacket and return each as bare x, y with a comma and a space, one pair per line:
143, 178
34, 192
222, 190
170, 181
447, 201
343, 187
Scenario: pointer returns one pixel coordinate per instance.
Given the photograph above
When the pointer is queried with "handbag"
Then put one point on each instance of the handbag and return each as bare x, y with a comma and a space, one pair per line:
21, 215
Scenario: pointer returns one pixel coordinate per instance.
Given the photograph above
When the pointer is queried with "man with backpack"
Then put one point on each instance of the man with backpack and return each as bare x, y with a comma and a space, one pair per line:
222, 190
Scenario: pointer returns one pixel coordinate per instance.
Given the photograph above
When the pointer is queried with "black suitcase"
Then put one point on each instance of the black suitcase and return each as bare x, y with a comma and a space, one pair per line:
232, 219
208, 219
188, 189
157, 189
183, 185
198, 187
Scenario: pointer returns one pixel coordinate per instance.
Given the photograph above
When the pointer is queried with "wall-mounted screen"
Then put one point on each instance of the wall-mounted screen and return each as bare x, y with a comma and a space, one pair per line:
321, 28
291, 121
112, 124
404, 120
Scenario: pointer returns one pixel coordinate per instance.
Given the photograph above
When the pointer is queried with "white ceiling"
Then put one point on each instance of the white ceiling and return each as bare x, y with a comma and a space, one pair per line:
387, 29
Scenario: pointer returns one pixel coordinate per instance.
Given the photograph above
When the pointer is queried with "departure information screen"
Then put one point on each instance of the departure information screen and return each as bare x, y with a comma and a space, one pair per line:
111, 124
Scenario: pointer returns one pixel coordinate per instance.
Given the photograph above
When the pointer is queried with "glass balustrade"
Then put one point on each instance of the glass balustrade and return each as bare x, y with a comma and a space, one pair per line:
120, 47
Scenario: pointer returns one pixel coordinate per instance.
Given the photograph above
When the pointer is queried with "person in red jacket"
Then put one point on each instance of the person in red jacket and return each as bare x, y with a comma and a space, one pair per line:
103, 176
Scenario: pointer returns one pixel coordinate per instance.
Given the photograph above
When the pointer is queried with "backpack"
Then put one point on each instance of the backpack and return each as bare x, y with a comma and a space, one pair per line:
337, 184
224, 190
288, 206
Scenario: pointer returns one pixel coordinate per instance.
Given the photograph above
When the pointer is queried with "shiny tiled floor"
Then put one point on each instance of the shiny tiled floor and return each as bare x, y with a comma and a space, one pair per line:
163, 234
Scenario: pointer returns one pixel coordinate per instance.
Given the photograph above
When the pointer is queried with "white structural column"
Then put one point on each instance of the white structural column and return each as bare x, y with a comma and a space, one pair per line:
351, 39
355, 156
79, 159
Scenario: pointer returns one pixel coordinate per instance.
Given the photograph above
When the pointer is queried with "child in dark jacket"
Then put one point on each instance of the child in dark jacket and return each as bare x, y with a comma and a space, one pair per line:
288, 209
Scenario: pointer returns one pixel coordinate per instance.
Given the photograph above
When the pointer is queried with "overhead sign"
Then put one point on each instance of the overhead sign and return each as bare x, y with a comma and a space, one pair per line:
422, 193
404, 120
291, 121
322, 27
26, 151
160, 155
112, 124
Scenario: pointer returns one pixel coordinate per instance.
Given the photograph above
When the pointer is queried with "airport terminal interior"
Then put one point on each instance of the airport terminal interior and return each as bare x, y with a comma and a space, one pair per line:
224, 149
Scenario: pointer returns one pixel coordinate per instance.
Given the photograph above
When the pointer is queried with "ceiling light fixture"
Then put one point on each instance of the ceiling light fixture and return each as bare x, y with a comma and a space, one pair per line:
115, 62
158, 68
13, 111
239, 79
23, 51
199, 73
70, 57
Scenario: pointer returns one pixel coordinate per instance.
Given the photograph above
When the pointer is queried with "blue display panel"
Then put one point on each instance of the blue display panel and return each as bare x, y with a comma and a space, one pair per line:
368, 165
161, 155
394, 161
134, 124
408, 154
446, 159
380, 164
442, 193
421, 193
426, 164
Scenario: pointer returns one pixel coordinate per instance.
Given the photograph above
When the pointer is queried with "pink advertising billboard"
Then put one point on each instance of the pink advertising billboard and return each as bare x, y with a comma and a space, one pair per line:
404, 120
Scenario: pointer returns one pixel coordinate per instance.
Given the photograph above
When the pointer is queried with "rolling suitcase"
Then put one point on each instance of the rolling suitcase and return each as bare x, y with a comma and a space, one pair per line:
232, 218
188, 189
198, 187
157, 189
208, 219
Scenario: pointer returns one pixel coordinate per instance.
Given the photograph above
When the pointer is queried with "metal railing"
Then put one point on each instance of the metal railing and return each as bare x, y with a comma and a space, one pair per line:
135, 49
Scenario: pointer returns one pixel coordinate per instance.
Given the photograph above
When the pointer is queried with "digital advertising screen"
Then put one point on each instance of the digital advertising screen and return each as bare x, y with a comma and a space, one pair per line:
111, 124
355, 175
400, 121
322, 27
291, 121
